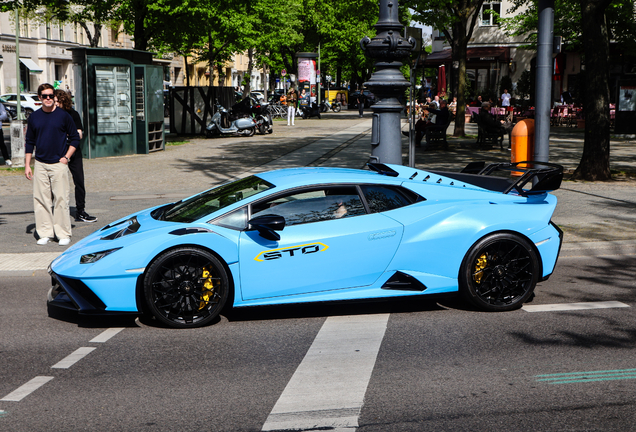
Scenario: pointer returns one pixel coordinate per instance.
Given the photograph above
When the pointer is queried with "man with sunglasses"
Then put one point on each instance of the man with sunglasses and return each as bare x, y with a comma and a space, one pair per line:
47, 131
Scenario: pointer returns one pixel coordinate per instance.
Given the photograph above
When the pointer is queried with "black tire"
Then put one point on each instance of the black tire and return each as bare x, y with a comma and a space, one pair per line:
262, 128
186, 287
499, 272
249, 131
28, 112
336, 107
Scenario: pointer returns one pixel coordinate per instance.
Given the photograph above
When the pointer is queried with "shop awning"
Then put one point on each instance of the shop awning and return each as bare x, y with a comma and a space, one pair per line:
482, 54
31, 65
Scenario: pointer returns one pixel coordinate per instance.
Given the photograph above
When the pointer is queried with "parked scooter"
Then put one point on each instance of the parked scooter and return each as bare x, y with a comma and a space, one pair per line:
310, 111
221, 123
250, 107
326, 106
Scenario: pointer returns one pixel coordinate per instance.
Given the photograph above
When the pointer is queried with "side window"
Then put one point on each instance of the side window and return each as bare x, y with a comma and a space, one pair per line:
313, 205
385, 198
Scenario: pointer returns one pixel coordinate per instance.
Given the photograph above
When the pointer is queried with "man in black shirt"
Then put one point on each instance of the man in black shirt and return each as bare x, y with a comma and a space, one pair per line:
51, 132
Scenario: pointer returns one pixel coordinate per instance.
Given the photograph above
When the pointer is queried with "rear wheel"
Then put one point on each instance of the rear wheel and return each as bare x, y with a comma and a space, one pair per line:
186, 287
28, 112
336, 107
249, 131
499, 272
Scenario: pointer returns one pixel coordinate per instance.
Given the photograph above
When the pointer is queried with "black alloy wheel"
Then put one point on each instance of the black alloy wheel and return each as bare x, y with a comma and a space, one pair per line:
500, 272
186, 287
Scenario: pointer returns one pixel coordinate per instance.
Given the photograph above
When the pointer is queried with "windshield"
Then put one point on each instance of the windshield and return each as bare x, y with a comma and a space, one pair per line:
215, 199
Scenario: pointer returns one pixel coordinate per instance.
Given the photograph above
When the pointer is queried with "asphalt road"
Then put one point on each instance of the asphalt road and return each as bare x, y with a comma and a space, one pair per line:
440, 364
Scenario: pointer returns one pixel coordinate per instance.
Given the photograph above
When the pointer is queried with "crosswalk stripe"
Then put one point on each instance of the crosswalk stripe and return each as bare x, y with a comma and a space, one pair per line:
573, 306
27, 261
327, 390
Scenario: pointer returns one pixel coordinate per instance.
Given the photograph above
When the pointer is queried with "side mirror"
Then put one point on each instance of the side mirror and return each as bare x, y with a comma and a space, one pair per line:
267, 226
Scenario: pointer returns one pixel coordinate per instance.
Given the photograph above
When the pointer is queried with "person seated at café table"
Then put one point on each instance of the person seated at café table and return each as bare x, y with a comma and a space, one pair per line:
477, 102
430, 116
490, 123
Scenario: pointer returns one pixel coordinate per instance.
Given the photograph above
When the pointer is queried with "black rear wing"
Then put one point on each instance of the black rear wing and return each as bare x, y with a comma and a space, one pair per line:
543, 176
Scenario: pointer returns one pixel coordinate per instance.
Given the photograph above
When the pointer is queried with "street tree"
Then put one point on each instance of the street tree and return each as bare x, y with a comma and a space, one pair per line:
456, 19
586, 26
91, 15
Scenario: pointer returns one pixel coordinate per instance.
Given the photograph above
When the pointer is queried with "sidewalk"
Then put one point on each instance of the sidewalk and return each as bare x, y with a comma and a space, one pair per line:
117, 186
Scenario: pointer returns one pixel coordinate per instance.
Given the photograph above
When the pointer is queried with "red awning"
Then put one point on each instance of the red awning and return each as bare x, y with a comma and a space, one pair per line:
473, 55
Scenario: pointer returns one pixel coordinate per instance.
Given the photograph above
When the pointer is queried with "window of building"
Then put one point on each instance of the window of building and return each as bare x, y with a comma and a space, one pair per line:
61, 28
489, 19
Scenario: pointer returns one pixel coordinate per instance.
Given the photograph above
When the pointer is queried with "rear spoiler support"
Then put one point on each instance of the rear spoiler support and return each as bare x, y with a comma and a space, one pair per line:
545, 176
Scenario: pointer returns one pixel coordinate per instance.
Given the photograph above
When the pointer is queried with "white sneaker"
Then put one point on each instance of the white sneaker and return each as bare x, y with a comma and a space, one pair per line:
64, 241
8, 162
43, 241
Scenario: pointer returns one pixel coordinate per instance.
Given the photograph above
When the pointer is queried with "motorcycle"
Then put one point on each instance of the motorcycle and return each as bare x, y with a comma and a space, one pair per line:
250, 107
308, 111
223, 123
326, 106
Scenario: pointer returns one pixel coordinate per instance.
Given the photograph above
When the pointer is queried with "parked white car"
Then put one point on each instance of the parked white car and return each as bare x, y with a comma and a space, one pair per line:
28, 101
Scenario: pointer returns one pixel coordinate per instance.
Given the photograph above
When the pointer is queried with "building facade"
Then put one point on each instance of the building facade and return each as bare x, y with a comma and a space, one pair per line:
492, 55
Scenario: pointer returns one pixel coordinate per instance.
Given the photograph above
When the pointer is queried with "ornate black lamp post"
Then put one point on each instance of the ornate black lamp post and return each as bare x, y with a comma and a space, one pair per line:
388, 48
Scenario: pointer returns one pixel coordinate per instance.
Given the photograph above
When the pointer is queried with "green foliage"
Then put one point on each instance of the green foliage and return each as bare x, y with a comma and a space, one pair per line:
621, 19
524, 85
506, 83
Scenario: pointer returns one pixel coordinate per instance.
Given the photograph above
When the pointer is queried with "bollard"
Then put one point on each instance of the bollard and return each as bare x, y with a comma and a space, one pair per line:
522, 143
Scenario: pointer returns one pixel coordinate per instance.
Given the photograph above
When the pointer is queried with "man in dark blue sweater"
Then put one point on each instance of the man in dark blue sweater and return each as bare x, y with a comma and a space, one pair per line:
47, 132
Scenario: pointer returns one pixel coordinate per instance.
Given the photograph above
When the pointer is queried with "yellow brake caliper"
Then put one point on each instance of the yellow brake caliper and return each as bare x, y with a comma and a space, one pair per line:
480, 265
208, 288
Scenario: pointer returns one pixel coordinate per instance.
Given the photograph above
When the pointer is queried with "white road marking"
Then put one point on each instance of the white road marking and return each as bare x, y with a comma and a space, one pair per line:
573, 306
73, 358
106, 334
327, 390
27, 261
26, 389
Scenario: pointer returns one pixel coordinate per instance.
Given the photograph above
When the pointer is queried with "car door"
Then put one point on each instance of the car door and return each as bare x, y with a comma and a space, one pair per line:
330, 242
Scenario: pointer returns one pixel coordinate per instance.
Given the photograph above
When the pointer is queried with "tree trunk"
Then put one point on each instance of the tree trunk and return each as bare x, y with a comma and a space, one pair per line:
187, 70
93, 38
140, 36
250, 66
595, 161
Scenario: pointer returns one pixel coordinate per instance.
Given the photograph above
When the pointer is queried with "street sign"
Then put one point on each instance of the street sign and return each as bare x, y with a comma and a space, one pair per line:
317, 72
283, 72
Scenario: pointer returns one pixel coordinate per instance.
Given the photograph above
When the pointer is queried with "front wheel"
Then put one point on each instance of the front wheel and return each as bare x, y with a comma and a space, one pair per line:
336, 107
186, 287
499, 272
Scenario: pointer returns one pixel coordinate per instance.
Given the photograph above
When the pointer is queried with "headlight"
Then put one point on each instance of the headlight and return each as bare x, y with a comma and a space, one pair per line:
94, 257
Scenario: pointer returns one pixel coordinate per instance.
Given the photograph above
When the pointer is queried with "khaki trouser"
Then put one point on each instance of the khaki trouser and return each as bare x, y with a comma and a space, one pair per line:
51, 195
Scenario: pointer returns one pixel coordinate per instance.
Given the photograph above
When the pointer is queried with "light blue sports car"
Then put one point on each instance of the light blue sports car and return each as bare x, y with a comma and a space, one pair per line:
322, 234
